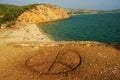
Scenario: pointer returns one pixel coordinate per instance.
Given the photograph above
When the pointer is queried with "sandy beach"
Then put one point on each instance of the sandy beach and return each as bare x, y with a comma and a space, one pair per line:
28, 33
28, 54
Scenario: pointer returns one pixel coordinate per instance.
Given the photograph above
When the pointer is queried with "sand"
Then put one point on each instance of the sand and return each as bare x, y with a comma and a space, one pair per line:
25, 55
26, 33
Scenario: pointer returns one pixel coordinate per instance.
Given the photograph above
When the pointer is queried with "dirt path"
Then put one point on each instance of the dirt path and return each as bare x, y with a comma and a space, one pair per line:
61, 62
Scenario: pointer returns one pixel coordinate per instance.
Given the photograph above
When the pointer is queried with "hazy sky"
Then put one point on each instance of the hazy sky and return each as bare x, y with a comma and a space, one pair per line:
79, 4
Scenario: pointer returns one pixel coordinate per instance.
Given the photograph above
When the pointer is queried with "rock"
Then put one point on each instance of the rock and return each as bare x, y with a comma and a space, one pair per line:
36, 48
88, 45
3, 26
43, 13
25, 45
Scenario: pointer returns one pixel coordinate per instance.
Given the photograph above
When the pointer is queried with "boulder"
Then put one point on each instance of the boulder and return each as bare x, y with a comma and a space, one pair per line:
3, 26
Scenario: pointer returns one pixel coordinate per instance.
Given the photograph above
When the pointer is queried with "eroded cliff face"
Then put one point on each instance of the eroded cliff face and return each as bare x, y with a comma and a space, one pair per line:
43, 13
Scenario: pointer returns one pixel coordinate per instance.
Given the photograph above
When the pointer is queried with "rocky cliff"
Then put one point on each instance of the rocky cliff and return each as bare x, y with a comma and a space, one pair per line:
43, 13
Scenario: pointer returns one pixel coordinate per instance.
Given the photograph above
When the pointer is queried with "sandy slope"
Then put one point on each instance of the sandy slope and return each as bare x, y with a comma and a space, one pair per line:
98, 62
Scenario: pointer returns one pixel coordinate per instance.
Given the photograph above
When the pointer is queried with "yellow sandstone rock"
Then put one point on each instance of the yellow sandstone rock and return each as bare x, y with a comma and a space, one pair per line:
43, 13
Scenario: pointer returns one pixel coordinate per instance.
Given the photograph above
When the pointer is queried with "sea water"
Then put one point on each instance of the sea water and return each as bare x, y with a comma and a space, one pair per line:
103, 27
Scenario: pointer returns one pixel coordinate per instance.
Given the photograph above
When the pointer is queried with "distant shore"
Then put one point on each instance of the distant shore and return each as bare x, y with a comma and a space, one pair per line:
94, 13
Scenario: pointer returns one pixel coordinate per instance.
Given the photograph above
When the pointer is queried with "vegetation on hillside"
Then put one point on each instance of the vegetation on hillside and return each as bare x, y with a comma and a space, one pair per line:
11, 12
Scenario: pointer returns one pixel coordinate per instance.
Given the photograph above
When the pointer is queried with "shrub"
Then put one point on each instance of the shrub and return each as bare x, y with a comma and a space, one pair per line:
11, 12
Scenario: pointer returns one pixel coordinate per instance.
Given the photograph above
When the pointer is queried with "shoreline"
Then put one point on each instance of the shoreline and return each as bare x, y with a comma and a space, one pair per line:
28, 33
94, 13
31, 34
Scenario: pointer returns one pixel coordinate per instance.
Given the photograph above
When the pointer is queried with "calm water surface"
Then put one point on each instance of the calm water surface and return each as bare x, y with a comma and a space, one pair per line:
89, 27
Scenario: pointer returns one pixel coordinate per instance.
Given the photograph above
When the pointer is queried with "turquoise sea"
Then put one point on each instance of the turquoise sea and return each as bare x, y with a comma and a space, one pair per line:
104, 27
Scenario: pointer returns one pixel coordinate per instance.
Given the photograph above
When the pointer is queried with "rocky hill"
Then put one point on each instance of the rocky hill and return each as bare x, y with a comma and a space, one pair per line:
43, 13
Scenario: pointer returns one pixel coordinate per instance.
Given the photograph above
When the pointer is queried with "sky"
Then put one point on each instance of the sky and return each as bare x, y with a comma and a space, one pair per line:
77, 4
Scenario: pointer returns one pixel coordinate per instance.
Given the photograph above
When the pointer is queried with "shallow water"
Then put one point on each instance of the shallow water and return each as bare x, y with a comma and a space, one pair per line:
89, 27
